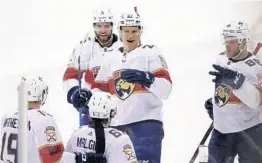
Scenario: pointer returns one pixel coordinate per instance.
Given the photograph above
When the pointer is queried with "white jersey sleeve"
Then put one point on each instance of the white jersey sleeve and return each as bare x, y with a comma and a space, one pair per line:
47, 137
82, 50
252, 69
162, 85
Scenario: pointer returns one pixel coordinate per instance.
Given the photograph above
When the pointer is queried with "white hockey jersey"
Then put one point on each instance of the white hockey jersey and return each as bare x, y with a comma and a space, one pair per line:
118, 146
134, 102
91, 55
44, 140
231, 114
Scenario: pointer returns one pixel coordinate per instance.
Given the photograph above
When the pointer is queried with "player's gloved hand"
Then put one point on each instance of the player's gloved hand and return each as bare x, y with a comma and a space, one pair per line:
90, 158
79, 97
143, 78
209, 108
228, 77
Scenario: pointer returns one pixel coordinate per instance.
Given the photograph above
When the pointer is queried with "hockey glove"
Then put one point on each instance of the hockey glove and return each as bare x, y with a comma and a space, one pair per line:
209, 108
90, 158
143, 78
79, 98
228, 77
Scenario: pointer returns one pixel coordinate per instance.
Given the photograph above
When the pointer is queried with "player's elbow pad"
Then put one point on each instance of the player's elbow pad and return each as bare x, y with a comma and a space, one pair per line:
249, 95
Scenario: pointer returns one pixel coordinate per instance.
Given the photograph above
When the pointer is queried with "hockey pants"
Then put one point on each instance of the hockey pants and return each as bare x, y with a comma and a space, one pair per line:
246, 144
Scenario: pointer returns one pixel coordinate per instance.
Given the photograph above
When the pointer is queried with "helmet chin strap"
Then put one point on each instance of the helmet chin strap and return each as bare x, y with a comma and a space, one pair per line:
240, 52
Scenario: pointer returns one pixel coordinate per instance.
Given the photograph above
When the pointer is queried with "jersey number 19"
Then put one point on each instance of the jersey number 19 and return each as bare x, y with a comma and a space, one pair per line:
9, 147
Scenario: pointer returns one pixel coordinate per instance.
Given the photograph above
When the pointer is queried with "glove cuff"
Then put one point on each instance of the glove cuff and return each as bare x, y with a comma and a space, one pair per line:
70, 93
240, 79
150, 79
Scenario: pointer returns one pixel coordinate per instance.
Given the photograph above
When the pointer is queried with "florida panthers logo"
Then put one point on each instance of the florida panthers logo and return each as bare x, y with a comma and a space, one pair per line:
222, 95
123, 88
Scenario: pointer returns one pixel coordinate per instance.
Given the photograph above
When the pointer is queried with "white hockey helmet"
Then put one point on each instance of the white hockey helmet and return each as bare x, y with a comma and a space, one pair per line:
236, 30
130, 19
37, 89
102, 106
103, 16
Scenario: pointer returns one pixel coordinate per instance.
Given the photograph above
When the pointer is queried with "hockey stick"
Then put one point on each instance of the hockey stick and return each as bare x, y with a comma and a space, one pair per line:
80, 111
258, 47
22, 123
253, 32
136, 11
79, 85
80, 76
202, 142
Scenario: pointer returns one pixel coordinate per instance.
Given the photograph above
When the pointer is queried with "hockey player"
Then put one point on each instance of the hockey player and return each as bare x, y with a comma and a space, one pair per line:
236, 105
91, 52
209, 105
138, 76
100, 143
44, 140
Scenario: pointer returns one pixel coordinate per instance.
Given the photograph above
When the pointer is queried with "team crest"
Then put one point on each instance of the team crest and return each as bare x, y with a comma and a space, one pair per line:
222, 95
129, 152
50, 133
123, 88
